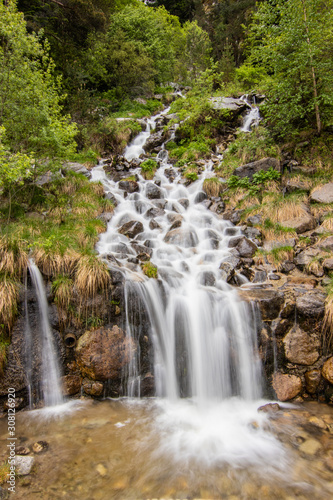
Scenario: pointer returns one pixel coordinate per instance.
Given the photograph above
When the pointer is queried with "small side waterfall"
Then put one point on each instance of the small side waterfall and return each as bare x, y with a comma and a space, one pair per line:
253, 117
50, 372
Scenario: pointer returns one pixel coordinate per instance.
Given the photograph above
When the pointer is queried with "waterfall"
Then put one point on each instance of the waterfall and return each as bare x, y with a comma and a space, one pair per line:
50, 373
203, 335
253, 117
28, 344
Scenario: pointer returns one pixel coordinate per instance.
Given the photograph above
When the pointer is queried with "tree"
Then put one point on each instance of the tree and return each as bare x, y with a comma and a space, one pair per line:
292, 40
30, 102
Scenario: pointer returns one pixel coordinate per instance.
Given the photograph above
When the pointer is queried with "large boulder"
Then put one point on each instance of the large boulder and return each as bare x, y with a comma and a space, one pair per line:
249, 169
269, 300
286, 386
301, 348
323, 194
236, 106
301, 224
104, 353
311, 304
327, 370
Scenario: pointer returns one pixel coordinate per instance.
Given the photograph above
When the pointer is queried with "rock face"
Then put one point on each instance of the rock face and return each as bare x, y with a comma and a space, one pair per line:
312, 304
249, 169
323, 194
286, 386
270, 301
327, 370
102, 354
301, 348
301, 224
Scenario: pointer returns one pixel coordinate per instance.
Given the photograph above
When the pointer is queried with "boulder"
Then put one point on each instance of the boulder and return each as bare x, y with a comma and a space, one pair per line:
131, 228
327, 370
105, 217
129, 186
183, 237
269, 300
312, 379
246, 247
218, 207
229, 265
71, 384
301, 224
92, 388
249, 169
23, 465
304, 258
301, 348
327, 244
78, 168
236, 106
311, 304
154, 212
156, 140
286, 386
200, 197
153, 192
323, 194
102, 354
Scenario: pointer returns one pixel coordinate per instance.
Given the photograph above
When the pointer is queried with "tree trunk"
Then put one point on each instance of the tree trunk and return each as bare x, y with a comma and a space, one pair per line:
314, 80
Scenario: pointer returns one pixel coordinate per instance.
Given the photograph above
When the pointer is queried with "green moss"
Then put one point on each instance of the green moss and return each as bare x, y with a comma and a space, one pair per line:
149, 270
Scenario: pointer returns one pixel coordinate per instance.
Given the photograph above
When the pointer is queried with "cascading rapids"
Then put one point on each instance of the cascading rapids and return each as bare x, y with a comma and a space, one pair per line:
204, 337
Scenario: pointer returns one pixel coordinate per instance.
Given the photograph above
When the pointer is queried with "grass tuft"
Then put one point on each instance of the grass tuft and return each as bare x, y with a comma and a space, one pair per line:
212, 187
92, 276
9, 294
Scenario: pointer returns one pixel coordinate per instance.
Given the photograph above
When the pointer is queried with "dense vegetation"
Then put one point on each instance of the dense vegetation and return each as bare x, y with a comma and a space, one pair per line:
70, 69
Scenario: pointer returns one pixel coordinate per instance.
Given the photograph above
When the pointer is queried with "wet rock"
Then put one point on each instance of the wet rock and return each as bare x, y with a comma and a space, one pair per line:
251, 168
154, 225
22, 450
312, 379
153, 192
173, 217
269, 301
18, 404
207, 278
301, 348
156, 140
40, 446
23, 465
327, 370
112, 198
105, 217
273, 277
246, 247
129, 186
71, 384
280, 326
102, 354
310, 447
92, 388
323, 194
200, 197
286, 386
218, 207
131, 228
253, 233
184, 202
147, 386
301, 224
176, 224
229, 265
142, 249
155, 212
269, 408
311, 304
183, 237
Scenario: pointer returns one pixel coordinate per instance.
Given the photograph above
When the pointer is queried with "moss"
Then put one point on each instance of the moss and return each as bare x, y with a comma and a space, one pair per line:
149, 270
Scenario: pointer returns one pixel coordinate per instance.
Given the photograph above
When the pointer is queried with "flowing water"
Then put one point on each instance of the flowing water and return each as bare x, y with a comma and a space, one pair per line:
51, 390
252, 118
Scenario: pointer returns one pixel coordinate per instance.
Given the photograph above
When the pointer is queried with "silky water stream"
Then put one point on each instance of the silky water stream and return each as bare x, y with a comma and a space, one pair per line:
202, 436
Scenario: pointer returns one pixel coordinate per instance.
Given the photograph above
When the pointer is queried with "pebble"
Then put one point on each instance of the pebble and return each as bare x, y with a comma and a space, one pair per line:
40, 446
310, 447
102, 471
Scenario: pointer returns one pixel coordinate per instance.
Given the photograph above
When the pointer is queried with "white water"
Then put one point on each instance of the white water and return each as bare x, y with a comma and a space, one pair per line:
50, 373
253, 116
206, 361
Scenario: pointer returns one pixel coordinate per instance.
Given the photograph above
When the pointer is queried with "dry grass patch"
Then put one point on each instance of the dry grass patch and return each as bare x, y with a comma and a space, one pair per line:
9, 295
13, 256
212, 186
282, 210
328, 224
328, 325
276, 257
273, 234
92, 276
49, 262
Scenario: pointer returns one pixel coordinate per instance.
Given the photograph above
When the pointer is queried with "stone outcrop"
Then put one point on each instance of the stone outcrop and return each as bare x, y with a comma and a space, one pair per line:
286, 386
249, 169
104, 353
269, 300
